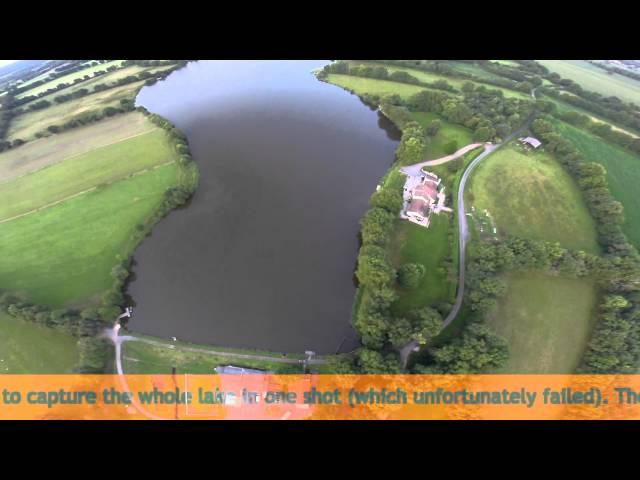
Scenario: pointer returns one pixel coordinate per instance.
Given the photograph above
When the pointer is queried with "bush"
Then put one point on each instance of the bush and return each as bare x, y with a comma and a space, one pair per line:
410, 274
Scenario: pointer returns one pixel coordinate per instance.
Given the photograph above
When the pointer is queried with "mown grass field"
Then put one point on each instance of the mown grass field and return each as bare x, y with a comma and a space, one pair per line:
429, 247
547, 322
448, 133
51, 150
63, 255
623, 173
596, 79
67, 78
27, 125
99, 166
361, 85
530, 195
27, 348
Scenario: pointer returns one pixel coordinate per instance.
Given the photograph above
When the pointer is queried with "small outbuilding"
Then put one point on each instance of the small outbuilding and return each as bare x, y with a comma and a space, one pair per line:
530, 142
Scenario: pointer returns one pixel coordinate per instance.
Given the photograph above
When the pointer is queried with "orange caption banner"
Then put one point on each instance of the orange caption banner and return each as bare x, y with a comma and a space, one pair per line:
320, 397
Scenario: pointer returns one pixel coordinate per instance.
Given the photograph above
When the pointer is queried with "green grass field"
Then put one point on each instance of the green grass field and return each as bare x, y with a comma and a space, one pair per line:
448, 133
80, 173
27, 348
429, 247
67, 78
530, 195
547, 322
48, 151
63, 255
623, 173
27, 125
361, 85
429, 77
596, 79
107, 79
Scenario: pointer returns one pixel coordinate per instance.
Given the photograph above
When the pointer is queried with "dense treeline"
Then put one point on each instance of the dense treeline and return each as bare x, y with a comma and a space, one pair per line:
614, 346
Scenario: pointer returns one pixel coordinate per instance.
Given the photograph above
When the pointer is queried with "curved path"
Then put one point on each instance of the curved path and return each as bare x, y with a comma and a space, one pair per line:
416, 168
413, 346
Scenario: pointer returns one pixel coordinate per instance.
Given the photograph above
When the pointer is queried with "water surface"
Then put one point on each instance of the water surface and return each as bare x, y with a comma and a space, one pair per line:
263, 256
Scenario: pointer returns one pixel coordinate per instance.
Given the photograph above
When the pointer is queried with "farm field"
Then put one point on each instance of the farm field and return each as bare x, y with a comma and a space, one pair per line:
48, 151
82, 172
69, 78
27, 125
547, 322
528, 194
70, 265
29, 348
106, 79
596, 79
455, 82
563, 107
623, 173
361, 85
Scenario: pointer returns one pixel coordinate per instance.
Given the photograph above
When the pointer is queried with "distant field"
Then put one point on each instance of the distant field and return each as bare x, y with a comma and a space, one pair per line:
448, 133
27, 125
26, 348
596, 79
563, 107
547, 322
96, 167
64, 255
48, 151
429, 77
373, 86
68, 78
623, 173
107, 79
530, 195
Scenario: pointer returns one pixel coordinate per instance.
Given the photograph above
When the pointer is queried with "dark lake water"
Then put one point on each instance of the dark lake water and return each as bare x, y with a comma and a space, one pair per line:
263, 257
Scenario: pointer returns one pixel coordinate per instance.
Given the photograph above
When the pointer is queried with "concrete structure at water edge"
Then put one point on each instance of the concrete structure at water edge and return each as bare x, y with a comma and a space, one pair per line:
423, 195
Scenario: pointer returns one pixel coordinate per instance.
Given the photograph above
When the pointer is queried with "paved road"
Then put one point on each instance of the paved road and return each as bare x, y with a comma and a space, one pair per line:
463, 236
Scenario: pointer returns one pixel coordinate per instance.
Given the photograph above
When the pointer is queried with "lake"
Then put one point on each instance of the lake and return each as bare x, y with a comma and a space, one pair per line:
263, 256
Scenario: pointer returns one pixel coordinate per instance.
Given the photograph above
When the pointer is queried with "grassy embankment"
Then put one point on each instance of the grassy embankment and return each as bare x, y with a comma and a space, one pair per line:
596, 79
139, 357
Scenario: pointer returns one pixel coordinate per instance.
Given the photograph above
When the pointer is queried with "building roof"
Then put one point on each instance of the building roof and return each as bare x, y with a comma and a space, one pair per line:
418, 206
534, 142
426, 190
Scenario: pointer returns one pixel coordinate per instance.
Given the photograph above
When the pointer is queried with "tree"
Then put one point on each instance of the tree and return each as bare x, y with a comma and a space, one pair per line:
434, 127
426, 323
476, 351
371, 361
410, 274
